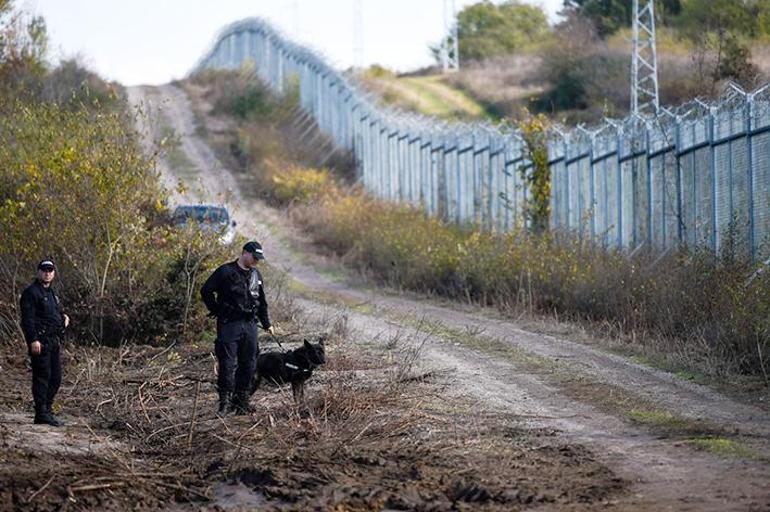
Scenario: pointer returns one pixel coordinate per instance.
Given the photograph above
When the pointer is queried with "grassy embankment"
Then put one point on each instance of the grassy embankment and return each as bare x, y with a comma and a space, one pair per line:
431, 95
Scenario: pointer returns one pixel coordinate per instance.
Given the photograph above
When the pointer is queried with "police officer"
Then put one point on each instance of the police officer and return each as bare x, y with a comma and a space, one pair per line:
43, 324
234, 294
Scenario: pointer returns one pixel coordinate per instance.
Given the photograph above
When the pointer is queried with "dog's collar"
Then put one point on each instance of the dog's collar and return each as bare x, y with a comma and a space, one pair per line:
295, 367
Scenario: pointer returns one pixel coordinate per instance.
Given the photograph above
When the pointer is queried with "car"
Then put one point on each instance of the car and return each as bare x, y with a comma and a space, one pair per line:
208, 217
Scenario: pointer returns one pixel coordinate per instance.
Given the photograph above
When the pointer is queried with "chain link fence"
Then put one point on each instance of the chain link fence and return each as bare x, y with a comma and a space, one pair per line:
698, 175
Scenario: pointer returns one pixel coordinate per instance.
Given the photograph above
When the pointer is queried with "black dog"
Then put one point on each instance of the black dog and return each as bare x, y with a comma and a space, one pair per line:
294, 367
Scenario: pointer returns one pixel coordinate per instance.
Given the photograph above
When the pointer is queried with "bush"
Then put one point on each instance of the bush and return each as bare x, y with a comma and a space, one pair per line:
77, 187
378, 72
71, 84
268, 133
295, 183
23, 45
242, 95
705, 312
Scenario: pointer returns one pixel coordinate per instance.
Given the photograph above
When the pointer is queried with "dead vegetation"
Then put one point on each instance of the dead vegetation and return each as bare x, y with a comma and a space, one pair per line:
264, 133
376, 432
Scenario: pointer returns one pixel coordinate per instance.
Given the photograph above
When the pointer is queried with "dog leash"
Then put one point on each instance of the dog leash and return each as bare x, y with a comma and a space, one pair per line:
273, 336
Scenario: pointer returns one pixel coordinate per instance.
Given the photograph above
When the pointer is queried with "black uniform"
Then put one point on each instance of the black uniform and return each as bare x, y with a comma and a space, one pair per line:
237, 298
42, 320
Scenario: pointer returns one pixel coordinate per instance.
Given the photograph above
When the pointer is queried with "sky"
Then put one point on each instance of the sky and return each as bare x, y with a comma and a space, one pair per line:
155, 41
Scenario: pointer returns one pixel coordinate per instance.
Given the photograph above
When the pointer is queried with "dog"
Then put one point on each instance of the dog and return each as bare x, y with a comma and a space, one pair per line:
293, 367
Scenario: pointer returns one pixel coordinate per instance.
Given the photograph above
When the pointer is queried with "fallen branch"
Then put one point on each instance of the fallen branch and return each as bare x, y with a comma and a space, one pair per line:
235, 445
192, 417
34, 494
95, 487
141, 403
184, 489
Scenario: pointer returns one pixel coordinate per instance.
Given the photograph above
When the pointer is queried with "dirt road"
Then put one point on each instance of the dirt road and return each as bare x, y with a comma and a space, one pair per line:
648, 426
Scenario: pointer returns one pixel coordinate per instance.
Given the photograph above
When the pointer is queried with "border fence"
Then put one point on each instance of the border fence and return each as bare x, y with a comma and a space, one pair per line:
697, 175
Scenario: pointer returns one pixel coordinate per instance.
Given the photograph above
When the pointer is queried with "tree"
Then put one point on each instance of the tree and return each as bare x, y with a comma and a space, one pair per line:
760, 12
719, 28
607, 15
610, 15
23, 47
487, 30
567, 65
716, 16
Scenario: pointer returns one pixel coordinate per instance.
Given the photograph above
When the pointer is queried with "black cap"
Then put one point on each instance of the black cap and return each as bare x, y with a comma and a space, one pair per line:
255, 248
46, 265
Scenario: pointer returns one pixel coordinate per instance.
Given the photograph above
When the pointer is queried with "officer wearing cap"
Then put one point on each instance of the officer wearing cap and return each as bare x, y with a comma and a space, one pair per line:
43, 324
234, 294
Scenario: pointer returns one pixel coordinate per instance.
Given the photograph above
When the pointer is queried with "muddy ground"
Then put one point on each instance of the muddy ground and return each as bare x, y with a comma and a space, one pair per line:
377, 432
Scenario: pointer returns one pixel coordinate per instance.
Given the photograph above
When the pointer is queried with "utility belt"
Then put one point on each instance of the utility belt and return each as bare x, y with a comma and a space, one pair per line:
50, 332
228, 313
244, 318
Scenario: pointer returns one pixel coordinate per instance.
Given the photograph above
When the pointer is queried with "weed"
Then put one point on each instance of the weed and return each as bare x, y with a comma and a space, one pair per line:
659, 419
723, 446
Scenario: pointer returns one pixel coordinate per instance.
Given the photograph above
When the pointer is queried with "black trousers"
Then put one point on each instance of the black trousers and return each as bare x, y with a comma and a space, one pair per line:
236, 349
46, 372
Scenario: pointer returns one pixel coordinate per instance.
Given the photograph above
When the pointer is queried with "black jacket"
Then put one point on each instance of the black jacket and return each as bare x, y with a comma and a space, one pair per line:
41, 315
232, 293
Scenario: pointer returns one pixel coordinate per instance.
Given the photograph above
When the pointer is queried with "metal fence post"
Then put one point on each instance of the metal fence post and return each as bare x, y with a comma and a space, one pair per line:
749, 113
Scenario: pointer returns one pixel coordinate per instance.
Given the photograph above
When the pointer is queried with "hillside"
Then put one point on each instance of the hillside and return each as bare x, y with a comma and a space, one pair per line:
575, 77
431, 95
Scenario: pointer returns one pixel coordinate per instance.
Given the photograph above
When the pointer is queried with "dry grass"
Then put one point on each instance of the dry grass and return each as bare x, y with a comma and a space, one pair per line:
701, 313
432, 95
504, 84
372, 435
257, 134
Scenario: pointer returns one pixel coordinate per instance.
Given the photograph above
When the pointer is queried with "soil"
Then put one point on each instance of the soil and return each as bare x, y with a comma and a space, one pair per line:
422, 405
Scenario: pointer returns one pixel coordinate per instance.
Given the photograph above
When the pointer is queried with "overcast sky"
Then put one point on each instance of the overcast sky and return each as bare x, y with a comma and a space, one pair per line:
155, 41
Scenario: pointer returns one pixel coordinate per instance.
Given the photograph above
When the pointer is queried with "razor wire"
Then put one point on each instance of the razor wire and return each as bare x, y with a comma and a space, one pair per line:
695, 176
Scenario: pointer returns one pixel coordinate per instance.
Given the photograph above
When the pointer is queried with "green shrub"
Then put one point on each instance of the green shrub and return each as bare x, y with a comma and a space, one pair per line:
296, 183
376, 71
75, 186
703, 310
242, 95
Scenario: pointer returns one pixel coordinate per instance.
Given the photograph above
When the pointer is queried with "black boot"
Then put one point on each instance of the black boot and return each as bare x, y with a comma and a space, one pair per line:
43, 417
241, 404
56, 422
224, 401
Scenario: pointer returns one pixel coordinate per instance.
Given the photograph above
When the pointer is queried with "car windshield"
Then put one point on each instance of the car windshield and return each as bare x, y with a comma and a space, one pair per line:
201, 214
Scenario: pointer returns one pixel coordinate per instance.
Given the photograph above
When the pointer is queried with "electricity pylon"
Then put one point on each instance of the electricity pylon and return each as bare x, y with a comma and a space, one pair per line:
358, 34
450, 50
644, 61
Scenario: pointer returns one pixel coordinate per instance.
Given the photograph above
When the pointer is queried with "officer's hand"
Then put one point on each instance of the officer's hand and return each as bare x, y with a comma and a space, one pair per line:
35, 348
66, 321
271, 330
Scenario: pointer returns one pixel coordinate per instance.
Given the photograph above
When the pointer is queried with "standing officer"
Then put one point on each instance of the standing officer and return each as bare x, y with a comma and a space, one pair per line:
234, 294
43, 324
